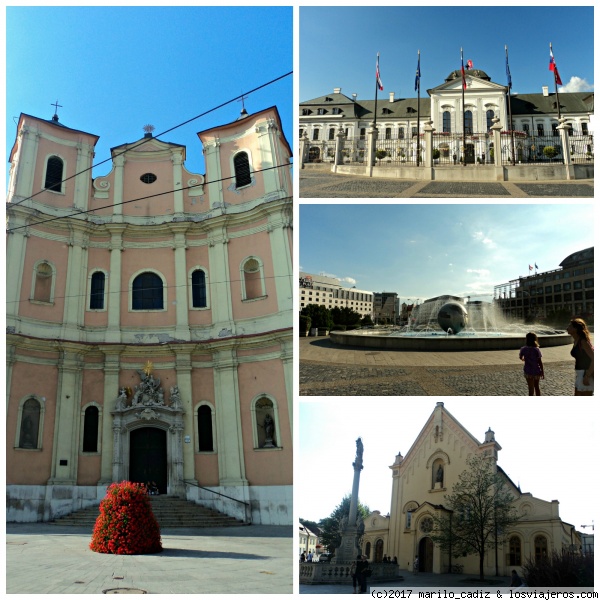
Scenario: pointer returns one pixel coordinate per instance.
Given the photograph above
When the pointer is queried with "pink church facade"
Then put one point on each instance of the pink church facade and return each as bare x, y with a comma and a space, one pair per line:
150, 339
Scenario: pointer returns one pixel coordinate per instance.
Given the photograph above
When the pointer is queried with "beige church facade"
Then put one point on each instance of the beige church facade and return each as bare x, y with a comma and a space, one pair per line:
149, 320
425, 475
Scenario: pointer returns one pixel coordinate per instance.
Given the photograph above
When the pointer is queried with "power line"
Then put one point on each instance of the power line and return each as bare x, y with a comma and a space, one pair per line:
91, 210
145, 140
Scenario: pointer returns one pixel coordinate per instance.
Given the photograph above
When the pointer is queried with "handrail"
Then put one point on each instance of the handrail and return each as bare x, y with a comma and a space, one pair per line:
246, 504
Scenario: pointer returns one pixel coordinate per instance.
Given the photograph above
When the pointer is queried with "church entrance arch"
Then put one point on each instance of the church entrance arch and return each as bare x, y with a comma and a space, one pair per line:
426, 555
148, 456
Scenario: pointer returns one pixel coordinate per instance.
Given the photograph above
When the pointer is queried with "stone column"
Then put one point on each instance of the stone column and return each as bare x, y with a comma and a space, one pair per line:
183, 364
182, 329
496, 128
339, 148
119, 163
304, 142
177, 161
428, 159
111, 391
371, 148
115, 293
563, 128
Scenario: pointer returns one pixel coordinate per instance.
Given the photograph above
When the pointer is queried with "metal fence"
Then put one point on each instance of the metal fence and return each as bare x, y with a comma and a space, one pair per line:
523, 148
321, 151
453, 148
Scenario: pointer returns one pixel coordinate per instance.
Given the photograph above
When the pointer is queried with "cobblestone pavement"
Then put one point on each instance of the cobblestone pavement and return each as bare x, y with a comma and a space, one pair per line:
324, 184
330, 370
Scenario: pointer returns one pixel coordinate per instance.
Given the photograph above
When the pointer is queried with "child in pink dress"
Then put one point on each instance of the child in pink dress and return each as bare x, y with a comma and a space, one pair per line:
533, 369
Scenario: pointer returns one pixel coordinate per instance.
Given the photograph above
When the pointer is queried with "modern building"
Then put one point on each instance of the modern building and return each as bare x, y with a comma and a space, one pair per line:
329, 292
149, 320
386, 307
568, 289
423, 478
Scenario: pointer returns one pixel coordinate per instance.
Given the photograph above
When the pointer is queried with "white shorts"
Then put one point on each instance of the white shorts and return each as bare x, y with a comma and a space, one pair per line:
579, 382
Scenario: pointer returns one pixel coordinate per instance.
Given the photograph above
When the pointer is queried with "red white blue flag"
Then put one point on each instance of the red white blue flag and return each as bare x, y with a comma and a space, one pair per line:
377, 78
552, 66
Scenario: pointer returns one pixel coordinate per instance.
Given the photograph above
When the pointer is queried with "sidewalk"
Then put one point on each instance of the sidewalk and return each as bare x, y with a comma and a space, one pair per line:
43, 558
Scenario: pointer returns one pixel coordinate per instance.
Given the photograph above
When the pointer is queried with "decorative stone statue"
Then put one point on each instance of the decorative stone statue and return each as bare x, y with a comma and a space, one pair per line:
439, 476
269, 426
359, 449
175, 398
121, 402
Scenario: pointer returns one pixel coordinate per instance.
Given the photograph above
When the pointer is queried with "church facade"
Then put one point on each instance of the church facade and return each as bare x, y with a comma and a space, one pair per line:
425, 475
149, 320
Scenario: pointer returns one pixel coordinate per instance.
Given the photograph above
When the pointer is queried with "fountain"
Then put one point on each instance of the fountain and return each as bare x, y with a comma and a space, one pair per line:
445, 323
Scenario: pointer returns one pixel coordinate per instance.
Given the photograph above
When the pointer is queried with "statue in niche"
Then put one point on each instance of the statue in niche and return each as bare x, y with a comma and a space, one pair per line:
439, 476
269, 427
148, 392
121, 402
175, 398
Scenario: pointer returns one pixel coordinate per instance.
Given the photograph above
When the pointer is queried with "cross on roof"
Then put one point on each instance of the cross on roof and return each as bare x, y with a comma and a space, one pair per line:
242, 98
56, 107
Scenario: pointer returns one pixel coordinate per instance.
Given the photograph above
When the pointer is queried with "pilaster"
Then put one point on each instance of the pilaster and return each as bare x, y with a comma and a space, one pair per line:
182, 329
16, 247
115, 293
221, 284
183, 365
27, 161
75, 292
212, 159
111, 391
177, 161
119, 164
83, 179
280, 223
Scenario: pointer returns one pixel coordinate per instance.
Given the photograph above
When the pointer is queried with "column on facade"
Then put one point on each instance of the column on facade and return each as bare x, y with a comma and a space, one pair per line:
27, 162
65, 448
212, 159
177, 160
182, 329
183, 365
82, 180
220, 280
287, 359
113, 331
111, 391
119, 163
271, 156
75, 292
230, 449
16, 247
279, 228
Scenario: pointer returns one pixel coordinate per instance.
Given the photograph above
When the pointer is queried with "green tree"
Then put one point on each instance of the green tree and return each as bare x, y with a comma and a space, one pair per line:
320, 316
331, 536
366, 321
478, 512
550, 152
379, 154
345, 316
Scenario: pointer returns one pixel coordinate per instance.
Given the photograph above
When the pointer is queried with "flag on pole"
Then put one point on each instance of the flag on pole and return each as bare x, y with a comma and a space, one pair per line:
530, 268
377, 78
462, 69
469, 64
508, 70
552, 66
418, 76
536, 266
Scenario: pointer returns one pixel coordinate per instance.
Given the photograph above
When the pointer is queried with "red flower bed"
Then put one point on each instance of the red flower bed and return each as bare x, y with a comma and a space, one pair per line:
126, 524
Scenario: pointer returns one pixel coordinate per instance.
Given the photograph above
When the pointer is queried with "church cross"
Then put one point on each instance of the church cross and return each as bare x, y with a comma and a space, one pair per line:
56, 107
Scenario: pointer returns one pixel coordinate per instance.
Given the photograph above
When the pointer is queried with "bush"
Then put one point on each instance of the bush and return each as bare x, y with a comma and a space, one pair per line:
305, 323
564, 569
550, 152
435, 154
126, 524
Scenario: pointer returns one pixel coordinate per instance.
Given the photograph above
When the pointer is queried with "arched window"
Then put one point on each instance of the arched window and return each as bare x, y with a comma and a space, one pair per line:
54, 174
315, 134
468, 122
199, 289
241, 166
368, 550
541, 547
379, 551
97, 291
252, 279
205, 429
388, 133
30, 424
489, 115
147, 292
446, 126
401, 133
42, 291
90, 429
514, 551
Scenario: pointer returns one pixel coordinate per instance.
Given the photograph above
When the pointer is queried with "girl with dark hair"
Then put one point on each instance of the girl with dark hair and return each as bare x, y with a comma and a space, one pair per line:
583, 353
533, 369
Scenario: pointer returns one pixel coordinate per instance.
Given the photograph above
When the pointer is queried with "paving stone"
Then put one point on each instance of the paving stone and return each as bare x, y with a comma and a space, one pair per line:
463, 188
555, 190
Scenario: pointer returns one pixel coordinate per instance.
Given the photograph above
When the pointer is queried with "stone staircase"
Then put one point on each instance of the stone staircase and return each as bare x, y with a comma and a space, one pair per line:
169, 512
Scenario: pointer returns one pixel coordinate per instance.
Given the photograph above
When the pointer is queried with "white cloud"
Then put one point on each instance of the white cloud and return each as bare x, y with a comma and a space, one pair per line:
349, 280
482, 272
576, 85
479, 236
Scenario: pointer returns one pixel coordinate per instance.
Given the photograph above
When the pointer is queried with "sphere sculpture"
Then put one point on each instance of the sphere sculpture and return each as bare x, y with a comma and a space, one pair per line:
453, 317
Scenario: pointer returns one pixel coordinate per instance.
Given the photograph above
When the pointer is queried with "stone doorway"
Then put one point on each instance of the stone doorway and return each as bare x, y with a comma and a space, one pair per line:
426, 555
148, 456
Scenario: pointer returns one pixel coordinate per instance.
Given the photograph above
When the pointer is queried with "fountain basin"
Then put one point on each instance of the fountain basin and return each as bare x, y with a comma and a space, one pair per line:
441, 342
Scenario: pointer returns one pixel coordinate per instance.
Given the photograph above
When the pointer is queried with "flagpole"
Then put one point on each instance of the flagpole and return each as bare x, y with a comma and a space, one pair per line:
419, 106
510, 123
555, 83
464, 145
376, 89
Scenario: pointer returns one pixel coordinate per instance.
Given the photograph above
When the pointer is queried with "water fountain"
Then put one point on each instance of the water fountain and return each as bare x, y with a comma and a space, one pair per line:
445, 323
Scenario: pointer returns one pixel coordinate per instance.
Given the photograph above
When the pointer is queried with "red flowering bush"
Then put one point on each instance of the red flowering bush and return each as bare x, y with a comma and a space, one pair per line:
126, 524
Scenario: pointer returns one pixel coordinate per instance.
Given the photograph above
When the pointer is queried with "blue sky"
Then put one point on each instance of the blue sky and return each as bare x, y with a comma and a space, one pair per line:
339, 45
116, 69
329, 428
425, 250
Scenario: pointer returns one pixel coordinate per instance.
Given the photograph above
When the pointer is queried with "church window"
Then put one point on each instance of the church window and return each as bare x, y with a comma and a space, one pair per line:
514, 549
426, 525
148, 178
97, 291
331, 133
43, 285
147, 292
408, 519
199, 289
30, 424
241, 166
252, 279
541, 548
379, 551
315, 134
205, 429
54, 174
468, 122
90, 429
446, 127
489, 115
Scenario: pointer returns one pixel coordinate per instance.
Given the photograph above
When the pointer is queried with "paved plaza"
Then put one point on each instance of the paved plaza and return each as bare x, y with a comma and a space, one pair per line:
43, 558
320, 183
327, 369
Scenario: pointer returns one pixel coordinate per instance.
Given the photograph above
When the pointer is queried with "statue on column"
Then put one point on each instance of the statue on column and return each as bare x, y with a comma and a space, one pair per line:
175, 398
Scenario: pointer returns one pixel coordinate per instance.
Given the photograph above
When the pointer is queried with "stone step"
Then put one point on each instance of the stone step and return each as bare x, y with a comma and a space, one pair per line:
169, 512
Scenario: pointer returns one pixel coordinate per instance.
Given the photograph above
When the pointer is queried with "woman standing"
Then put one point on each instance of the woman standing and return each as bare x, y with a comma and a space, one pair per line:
583, 353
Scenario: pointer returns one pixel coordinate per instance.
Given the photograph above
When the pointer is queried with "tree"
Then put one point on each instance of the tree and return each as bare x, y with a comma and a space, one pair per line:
345, 316
478, 512
331, 535
366, 321
320, 315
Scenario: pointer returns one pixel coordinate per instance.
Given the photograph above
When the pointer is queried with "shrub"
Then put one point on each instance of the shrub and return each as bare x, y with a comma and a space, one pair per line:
126, 524
305, 323
435, 154
564, 569
550, 152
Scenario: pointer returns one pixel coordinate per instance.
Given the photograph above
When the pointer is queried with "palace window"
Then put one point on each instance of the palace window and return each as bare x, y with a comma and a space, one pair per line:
30, 424
331, 133
315, 134
241, 166
337, 111
584, 128
446, 127
554, 129
54, 174
147, 292
301, 132
306, 112
468, 122
97, 285
199, 289
322, 111
489, 115
401, 133
388, 133
540, 129
362, 133
90, 429
205, 429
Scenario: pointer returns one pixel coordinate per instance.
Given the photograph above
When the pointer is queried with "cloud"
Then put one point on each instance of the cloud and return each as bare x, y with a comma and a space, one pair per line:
349, 280
576, 85
479, 236
481, 272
